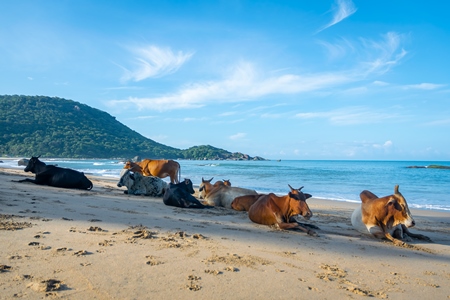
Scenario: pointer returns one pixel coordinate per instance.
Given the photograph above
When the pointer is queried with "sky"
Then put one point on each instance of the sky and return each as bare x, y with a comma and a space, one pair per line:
338, 79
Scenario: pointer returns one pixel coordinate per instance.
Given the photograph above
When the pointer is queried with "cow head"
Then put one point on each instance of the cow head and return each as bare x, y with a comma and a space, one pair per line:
398, 210
126, 179
188, 185
227, 182
33, 163
204, 187
297, 203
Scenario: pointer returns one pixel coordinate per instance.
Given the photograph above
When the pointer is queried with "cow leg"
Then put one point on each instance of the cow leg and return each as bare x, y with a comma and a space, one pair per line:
297, 226
414, 235
35, 181
25, 180
293, 220
396, 242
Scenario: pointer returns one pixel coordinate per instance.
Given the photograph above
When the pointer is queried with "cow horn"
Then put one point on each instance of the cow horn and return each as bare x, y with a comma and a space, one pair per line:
290, 187
300, 188
38, 156
396, 189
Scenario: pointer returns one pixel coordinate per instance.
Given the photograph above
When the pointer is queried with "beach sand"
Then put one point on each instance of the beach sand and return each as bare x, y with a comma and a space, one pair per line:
103, 244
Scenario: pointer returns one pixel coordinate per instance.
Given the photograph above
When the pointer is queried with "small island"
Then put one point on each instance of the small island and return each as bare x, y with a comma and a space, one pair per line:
430, 167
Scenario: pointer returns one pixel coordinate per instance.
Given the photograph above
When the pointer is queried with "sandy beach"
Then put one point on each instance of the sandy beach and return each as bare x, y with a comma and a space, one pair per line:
103, 244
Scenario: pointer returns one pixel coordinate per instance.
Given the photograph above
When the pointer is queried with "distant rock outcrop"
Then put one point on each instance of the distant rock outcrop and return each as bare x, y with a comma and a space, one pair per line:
430, 167
23, 162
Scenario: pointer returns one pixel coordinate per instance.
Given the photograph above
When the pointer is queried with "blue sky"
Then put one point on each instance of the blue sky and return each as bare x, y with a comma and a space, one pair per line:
278, 79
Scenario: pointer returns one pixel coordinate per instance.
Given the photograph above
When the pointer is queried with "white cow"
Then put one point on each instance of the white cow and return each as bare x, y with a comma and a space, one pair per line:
137, 184
221, 195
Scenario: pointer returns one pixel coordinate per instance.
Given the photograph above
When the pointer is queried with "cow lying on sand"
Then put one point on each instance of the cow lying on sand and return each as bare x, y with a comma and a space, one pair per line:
157, 167
180, 195
243, 203
387, 217
273, 210
221, 195
137, 184
56, 176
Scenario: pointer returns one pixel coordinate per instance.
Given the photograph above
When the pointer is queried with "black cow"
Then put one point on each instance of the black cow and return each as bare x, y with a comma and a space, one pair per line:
180, 195
56, 176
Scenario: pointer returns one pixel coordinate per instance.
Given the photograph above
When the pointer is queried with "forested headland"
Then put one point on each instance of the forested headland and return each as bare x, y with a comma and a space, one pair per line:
56, 127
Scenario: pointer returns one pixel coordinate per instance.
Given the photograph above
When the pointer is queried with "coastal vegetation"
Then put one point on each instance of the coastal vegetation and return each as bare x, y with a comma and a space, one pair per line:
57, 127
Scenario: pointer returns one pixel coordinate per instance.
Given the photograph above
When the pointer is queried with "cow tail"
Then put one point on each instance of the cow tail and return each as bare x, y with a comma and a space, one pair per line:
179, 172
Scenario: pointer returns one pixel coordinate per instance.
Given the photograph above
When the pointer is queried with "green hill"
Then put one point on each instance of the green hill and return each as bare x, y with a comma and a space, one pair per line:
56, 127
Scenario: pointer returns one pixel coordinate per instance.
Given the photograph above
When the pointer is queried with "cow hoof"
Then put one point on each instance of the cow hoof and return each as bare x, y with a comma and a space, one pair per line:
312, 233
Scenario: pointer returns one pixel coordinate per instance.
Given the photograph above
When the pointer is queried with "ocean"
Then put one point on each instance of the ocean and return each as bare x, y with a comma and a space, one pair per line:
423, 188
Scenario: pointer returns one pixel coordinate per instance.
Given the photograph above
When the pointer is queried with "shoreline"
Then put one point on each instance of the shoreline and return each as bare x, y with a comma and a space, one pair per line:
104, 244
20, 172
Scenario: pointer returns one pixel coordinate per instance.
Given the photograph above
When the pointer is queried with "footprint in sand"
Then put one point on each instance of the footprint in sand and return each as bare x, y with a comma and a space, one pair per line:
46, 285
193, 286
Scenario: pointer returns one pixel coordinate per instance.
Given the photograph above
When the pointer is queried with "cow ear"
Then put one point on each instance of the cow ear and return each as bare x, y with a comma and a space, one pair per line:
307, 196
393, 202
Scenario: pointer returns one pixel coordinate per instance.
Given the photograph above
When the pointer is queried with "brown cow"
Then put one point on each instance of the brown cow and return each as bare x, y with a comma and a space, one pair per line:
387, 217
221, 182
157, 167
273, 210
243, 203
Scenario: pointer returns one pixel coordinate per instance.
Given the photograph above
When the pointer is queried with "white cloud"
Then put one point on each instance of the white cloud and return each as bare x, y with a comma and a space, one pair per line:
380, 83
238, 136
244, 82
425, 86
349, 116
386, 145
153, 61
386, 53
343, 9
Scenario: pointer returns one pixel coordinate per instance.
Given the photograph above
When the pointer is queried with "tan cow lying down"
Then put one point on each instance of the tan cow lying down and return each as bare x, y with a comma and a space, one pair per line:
243, 203
387, 217
156, 167
221, 195
273, 210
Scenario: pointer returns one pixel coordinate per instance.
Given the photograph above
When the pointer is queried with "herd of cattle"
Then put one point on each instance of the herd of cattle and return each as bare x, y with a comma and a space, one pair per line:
386, 217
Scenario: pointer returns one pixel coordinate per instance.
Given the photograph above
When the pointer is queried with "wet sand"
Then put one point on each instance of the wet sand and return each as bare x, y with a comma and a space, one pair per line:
103, 244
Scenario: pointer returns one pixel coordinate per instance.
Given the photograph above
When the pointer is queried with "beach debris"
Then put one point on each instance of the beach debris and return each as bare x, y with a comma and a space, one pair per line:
193, 286
45, 285
95, 228
213, 272
332, 273
153, 261
106, 243
231, 269
235, 259
7, 223
4, 268
94, 220
33, 244
81, 252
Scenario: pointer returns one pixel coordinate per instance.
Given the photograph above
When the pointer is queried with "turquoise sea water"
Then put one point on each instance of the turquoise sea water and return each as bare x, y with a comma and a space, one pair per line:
336, 180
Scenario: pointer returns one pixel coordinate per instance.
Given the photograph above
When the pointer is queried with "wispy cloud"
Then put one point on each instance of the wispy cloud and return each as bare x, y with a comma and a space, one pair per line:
350, 116
386, 53
238, 136
342, 10
245, 82
153, 61
424, 86
386, 145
